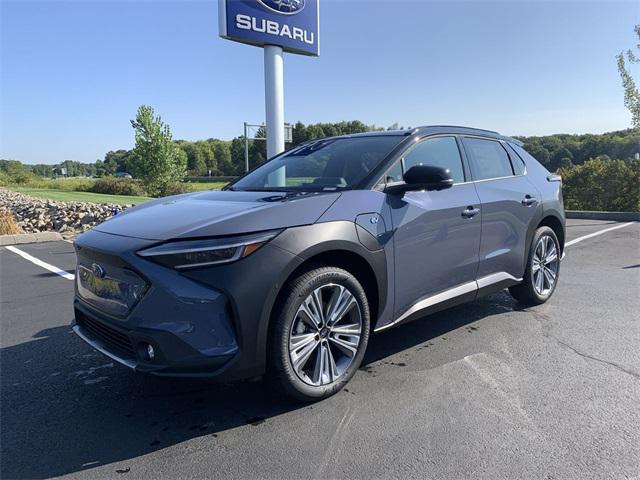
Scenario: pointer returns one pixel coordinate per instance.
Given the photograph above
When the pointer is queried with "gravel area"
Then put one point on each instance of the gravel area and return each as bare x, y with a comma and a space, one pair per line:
67, 218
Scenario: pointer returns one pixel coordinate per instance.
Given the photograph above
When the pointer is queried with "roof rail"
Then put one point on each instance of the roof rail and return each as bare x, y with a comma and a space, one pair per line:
460, 126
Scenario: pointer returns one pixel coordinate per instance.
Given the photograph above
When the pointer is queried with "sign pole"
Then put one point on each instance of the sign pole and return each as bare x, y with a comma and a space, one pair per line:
277, 26
274, 98
246, 147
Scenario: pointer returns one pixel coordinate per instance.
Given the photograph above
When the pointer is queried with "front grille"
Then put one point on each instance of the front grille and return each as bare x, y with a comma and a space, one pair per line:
110, 336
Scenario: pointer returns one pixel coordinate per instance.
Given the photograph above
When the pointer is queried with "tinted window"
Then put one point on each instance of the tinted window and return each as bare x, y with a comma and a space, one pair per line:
523, 154
517, 163
439, 152
488, 158
329, 164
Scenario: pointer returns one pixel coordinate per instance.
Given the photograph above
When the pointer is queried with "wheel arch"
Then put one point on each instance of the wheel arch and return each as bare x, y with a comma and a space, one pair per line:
555, 224
347, 260
325, 244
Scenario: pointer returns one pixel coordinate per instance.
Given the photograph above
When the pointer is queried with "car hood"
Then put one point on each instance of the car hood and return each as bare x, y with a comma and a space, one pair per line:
214, 213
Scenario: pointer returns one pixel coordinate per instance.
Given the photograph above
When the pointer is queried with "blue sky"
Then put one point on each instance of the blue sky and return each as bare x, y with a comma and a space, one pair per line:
74, 73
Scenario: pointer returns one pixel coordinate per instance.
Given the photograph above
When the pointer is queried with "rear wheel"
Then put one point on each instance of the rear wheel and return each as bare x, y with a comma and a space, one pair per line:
543, 267
319, 337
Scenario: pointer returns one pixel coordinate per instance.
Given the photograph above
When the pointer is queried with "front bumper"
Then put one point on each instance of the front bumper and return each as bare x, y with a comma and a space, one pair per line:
210, 322
173, 355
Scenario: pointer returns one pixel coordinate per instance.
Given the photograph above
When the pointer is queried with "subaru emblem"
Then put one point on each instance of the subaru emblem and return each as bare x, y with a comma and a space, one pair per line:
98, 271
286, 7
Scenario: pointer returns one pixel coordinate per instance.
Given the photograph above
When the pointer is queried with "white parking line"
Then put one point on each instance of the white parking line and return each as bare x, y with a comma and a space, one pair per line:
40, 263
595, 234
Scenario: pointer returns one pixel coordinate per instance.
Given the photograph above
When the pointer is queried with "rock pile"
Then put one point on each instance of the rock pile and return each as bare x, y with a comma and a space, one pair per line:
69, 218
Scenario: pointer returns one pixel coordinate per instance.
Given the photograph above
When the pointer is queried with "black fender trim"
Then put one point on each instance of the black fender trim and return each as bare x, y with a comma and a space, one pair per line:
313, 240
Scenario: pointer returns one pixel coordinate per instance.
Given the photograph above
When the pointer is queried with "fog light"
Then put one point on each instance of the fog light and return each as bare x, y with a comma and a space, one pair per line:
150, 352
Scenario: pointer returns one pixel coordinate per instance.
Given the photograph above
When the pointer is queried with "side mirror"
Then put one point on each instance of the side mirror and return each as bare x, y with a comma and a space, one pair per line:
423, 177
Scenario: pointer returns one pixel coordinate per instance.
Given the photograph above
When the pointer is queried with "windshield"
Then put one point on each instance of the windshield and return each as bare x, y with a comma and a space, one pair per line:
329, 164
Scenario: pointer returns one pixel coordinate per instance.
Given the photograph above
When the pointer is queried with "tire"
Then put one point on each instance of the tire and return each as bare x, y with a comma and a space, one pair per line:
313, 356
540, 278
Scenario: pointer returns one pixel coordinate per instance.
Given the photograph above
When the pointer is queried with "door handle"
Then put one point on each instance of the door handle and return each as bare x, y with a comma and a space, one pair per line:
470, 212
528, 200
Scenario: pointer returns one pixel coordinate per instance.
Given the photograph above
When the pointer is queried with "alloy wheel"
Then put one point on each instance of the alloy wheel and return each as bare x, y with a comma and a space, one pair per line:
325, 335
545, 265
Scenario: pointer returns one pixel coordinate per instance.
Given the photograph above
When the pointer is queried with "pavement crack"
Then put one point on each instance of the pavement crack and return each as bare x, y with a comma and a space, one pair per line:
540, 317
596, 359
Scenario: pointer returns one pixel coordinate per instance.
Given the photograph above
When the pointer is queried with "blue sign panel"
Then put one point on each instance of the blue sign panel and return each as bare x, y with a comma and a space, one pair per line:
293, 25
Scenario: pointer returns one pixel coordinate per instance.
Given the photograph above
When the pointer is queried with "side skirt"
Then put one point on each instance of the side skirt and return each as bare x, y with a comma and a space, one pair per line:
454, 296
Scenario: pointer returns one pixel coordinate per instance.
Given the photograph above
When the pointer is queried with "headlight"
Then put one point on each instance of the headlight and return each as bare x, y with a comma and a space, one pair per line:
201, 253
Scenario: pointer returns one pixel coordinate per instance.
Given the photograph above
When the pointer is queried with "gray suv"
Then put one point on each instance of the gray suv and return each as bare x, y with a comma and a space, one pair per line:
288, 270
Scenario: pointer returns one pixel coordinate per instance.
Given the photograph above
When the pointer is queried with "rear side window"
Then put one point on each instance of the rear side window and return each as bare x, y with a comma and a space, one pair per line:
523, 154
519, 167
488, 158
438, 152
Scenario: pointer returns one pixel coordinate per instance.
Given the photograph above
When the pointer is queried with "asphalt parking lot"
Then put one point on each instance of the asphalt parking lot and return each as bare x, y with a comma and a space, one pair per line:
485, 390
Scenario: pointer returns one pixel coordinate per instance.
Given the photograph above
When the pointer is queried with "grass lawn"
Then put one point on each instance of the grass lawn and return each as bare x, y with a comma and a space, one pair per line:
64, 196
198, 186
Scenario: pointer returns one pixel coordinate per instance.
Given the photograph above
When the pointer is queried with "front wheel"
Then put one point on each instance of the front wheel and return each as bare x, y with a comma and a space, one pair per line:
543, 268
321, 333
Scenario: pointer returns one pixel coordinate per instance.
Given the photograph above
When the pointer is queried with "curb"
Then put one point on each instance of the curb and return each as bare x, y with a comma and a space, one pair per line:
614, 216
29, 238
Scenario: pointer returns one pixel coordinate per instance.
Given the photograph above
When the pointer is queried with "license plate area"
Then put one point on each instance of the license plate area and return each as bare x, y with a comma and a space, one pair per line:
112, 290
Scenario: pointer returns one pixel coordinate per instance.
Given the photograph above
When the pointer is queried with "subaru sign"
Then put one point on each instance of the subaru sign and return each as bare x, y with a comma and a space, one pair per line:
293, 25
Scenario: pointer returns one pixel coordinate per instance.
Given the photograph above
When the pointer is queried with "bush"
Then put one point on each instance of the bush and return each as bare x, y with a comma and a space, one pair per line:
14, 173
5, 179
117, 186
602, 184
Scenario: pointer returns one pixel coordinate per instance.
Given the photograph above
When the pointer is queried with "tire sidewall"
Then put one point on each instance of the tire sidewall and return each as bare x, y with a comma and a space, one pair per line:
298, 293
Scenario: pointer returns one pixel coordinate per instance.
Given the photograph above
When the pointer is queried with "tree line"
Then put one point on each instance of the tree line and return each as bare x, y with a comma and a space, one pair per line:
226, 157
212, 156
564, 151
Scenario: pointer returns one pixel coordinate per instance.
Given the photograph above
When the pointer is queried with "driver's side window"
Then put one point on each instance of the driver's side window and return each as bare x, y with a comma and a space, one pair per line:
438, 152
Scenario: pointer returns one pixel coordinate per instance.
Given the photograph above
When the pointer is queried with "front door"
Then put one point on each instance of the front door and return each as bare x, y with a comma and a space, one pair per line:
436, 233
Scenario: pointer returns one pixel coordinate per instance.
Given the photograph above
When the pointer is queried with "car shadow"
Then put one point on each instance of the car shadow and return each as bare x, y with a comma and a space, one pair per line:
66, 408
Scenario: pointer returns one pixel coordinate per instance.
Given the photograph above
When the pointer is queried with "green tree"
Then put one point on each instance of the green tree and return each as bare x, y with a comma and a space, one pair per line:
631, 92
100, 168
118, 161
236, 166
159, 161
222, 157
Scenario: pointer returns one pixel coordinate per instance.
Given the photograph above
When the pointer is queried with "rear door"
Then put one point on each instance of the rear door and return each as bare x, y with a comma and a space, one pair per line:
436, 233
509, 205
